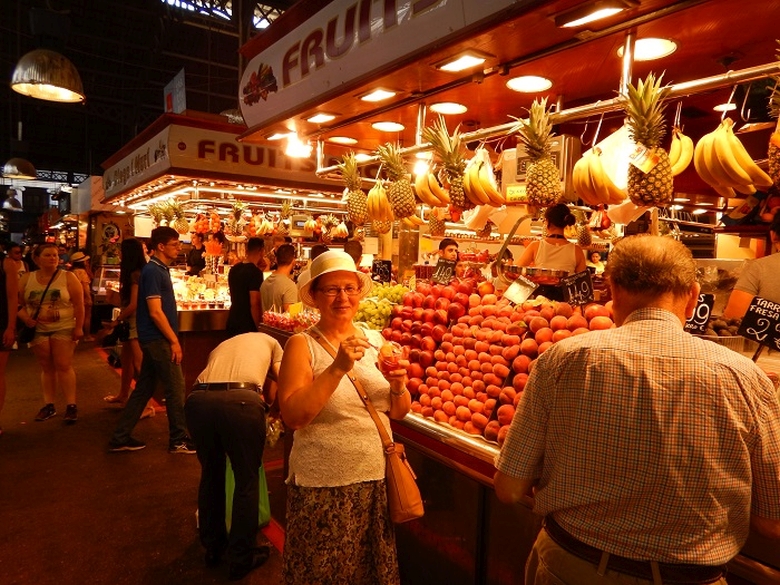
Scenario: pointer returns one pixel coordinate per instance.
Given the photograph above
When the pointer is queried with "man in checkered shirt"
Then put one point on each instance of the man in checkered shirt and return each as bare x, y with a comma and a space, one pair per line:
650, 452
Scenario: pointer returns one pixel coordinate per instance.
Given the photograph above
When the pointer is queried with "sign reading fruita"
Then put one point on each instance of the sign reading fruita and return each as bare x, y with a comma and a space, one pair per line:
761, 323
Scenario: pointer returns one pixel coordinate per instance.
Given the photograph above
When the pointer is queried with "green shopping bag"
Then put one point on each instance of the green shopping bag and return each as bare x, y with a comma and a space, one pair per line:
264, 516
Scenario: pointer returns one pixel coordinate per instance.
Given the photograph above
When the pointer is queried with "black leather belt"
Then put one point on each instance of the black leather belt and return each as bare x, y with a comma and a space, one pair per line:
678, 574
225, 386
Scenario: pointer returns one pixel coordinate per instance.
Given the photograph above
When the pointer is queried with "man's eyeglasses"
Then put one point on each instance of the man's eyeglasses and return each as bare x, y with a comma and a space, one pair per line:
332, 291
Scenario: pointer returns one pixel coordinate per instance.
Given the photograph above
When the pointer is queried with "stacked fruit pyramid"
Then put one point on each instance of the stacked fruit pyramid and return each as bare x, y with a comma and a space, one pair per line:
470, 352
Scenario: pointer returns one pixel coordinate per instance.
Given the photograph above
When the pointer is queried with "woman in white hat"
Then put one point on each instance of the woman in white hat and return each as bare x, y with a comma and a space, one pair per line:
338, 527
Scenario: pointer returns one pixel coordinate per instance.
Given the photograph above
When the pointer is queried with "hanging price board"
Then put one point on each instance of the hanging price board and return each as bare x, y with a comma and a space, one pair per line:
577, 288
445, 270
761, 323
520, 290
701, 314
381, 270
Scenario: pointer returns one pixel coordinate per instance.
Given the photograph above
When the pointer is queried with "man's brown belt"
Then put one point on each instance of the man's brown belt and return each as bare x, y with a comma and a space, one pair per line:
225, 386
674, 574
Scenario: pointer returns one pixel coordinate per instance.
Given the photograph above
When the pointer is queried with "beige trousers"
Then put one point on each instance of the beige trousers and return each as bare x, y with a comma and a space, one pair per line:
549, 564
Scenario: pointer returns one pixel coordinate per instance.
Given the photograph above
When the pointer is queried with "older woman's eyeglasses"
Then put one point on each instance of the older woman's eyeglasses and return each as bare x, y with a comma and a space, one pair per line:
332, 291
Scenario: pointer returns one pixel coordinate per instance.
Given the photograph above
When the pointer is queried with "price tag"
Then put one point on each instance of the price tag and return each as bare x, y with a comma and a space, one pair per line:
445, 270
701, 314
761, 323
577, 288
643, 159
516, 193
520, 290
381, 270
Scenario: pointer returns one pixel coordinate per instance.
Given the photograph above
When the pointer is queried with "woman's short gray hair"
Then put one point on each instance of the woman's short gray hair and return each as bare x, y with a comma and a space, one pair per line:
651, 265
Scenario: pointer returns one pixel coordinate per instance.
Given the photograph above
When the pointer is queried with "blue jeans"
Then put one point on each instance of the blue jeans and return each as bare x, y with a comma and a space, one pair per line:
156, 366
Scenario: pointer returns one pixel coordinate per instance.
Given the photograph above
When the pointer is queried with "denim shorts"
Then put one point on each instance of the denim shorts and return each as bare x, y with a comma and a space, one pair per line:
64, 334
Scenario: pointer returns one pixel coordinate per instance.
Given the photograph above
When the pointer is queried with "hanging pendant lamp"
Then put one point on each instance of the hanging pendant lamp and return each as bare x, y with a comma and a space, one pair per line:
19, 168
47, 75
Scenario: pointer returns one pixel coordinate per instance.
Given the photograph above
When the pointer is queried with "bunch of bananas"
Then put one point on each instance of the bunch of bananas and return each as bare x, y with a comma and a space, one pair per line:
378, 204
429, 191
479, 182
592, 184
413, 221
723, 163
680, 152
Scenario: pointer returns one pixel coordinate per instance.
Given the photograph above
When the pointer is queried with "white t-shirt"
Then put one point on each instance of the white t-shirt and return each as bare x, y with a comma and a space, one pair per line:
243, 358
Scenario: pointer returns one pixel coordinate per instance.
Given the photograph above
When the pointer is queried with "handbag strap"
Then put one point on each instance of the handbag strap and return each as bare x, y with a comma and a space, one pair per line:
386, 440
43, 296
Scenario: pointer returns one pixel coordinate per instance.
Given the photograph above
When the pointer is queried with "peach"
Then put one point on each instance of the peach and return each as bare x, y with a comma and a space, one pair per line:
447, 395
576, 322
516, 401
434, 391
580, 331
564, 309
416, 407
486, 367
440, 416
479, 420
520, 364
506, 413
538, 323
596, 310
489, 299
455, 387
510, 353
478, 385
461, 361
469, 393
499, 359
519, 382
425, 399
469, 428
456, 377
461, 400
488, 310
501, 371
600, 322
476, 320
558, 322
493, 390
544, 335
544, 346
507, 396
510, 340
491, 430
442, 385
436, 402
449, 407
474, 300
529, 347
492, 379
463, 413
458, 424
560, 334
490, 404
474, 365
476, 406
547, 312
502, 434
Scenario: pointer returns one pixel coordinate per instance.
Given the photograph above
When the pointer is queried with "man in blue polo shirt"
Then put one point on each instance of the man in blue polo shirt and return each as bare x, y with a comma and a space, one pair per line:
157, 323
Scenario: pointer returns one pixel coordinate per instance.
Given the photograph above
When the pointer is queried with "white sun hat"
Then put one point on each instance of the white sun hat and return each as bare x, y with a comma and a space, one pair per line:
332, 261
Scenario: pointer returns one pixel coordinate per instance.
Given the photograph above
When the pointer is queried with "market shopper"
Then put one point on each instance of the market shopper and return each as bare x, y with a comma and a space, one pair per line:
278, 291
759, 278
133, 259
226, 416
9, 297
78, 266
244, 281
448, 249
355, 251
315, 251
337, 466
58, 327
157, 322
650, 452
196, 261
15, 252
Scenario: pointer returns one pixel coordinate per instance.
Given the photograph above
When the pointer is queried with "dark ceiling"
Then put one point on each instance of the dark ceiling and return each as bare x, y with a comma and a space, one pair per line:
126, 51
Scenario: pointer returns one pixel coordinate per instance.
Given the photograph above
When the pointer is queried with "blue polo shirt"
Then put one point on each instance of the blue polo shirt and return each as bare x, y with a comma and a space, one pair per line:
155, 283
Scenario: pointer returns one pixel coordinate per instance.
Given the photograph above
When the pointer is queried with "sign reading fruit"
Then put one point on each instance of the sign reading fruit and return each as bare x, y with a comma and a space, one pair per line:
701, 315
445, 270
761, 323
577, 288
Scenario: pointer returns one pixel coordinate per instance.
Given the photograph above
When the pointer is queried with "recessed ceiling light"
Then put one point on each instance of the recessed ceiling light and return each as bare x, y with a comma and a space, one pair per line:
705, 203
591, 12
727, 107
378, 95
529, 84
675, 207
387, 126
651, 48
342, 140
462, 61
681, 199
361, 156
278, 135
448, 108
425, 155
321, 118
698, 211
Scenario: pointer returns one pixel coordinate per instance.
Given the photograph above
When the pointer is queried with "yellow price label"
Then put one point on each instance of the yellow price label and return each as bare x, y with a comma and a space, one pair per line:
516, 193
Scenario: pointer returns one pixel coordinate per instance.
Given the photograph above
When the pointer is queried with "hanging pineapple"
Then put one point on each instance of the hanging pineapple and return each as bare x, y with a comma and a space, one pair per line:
382, 227
774, 140
155, 210
233, 226
449, 150
286, 210
399, 188
646, 126
357, 200
584, 237
328, 222
542, 178
167, 212
435, 222
180, 223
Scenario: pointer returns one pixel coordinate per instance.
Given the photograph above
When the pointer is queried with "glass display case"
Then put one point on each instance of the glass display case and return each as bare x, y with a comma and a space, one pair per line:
106, 279
200, 293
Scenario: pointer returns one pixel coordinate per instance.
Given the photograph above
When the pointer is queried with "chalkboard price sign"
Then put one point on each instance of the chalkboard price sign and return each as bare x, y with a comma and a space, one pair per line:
577, 288
381, 270
761, 323
701, 315
520, 290
445, 270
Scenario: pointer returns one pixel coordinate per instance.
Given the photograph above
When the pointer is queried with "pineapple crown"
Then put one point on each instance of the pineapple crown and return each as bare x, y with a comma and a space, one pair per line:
644, 107
349, 171
774, 98
535, 134
448, 148
393, 161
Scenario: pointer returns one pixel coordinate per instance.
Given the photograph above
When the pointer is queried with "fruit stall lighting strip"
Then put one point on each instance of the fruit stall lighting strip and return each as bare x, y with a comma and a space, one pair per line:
193, 193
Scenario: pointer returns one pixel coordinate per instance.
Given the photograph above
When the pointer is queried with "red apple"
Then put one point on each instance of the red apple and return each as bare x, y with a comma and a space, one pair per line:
455, 311
448, 292
466, 287
461, 298
442, 303
423, 287
428, 315
417, 299
428, 302
417, 313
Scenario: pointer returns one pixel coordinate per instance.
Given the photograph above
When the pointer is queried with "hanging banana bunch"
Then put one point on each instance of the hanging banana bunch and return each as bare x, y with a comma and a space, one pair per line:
379, 208
430, 191
680, 152
479, 182
723, 163
591, 182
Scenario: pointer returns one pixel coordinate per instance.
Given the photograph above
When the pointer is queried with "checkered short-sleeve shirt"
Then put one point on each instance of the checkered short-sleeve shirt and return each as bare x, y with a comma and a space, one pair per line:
648, 442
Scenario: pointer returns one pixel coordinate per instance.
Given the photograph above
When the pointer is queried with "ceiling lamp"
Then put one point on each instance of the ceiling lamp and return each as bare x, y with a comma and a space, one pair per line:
296, 148
592, 11
47, 75
727, 107
19, 168
279, 135
448, 108
529, 84
650, 49
388, 126
463, 61
342, 140
321, 118
377, 95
